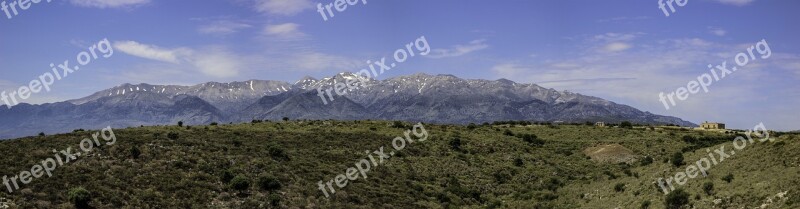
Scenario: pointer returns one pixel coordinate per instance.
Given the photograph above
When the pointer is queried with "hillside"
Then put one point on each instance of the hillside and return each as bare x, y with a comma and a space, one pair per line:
278, 165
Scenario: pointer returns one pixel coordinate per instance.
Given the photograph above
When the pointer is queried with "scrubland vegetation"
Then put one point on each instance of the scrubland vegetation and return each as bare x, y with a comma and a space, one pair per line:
503, 165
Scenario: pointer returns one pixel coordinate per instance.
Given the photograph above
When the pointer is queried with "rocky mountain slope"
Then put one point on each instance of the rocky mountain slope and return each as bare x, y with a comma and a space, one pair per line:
418, 97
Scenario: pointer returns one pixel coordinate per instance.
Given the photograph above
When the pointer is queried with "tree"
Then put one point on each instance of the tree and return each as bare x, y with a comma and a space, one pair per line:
677, 159
80, 197
676, 199
626, 124
285, 118
180, 123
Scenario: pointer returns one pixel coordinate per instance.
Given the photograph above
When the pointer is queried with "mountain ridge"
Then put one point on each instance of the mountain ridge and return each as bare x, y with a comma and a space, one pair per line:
415, 97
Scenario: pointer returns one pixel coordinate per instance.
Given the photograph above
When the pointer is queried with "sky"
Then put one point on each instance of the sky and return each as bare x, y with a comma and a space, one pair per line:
626, 51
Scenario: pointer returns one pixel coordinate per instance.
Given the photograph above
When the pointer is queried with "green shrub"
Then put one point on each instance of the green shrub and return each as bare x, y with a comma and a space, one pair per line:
277, 152
135, 152
553, 184
180, 123
508, 133
646, 161
398, 124
173, 136
80, 197
676, 199
226, 176
472, 126
677, 159
240, 183
274, 200
645, 204
532, 139
728, 178
518, 162
708, 187
620, 187
269, 183
626, 124
455, 144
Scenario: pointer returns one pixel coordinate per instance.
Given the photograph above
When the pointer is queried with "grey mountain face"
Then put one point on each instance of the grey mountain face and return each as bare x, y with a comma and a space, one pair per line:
419, 97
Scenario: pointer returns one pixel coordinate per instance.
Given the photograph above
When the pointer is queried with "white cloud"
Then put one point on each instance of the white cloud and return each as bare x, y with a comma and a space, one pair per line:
108, 3
623, 19
616, 37
150, 51
282, 7
217, 62
736, 2
616, 47
212, 61
283, 30
717, 31
460, 50
223, 27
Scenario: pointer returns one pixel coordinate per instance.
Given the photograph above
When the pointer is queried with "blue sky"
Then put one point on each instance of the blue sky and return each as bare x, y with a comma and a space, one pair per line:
626, 51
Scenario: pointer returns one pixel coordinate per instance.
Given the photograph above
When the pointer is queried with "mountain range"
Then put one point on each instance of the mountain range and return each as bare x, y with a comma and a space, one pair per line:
418, 97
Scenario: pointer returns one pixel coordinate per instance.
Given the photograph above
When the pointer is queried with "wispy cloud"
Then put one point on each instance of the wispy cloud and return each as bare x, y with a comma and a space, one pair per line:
616, 37
460, 50
223, 27
736, 2
616, 47
151, 52
623, 19
285, 30
109, 3
282, 7
717, 31
212, 61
